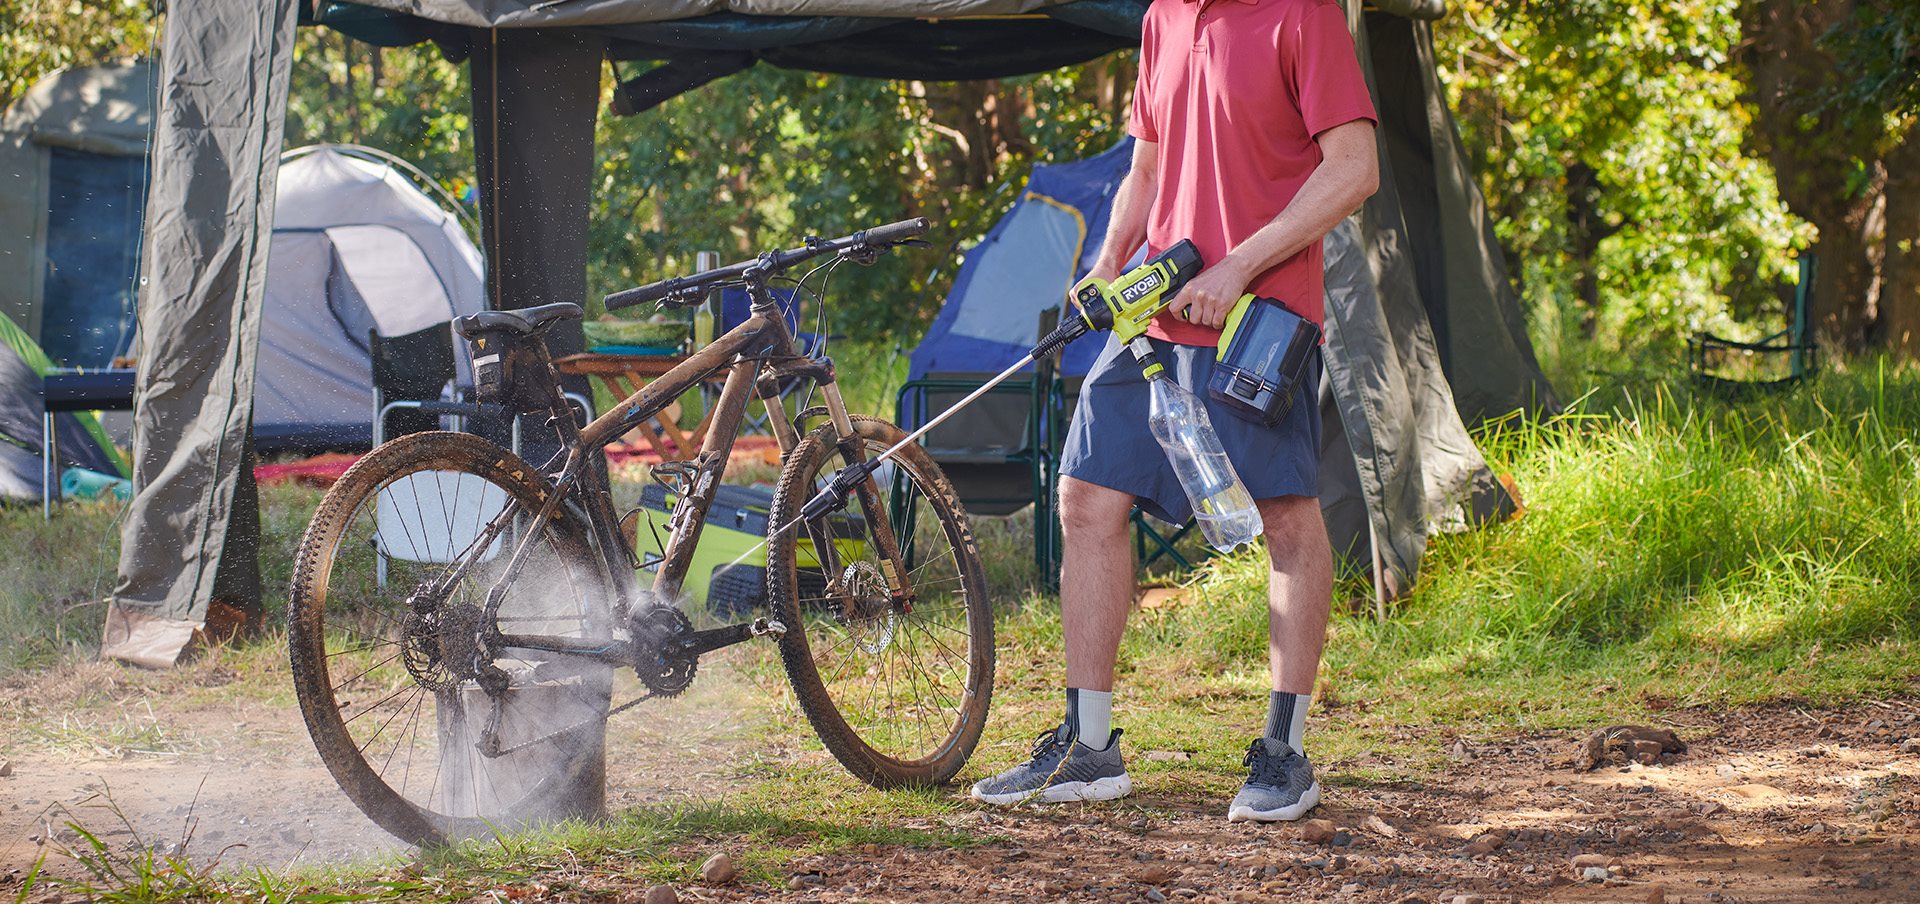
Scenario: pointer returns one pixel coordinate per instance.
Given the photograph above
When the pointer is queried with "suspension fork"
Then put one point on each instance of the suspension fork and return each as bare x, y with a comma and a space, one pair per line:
854, 449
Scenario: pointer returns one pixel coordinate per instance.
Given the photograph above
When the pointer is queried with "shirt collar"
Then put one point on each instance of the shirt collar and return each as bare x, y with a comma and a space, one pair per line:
1207, 3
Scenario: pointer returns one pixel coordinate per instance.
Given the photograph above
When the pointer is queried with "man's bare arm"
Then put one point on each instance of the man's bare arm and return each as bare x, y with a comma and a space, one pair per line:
1348, 174
1127, 224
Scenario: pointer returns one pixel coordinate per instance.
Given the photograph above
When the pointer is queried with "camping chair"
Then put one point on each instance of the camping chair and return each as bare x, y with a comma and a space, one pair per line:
65, 392
411, 374
1706, 351
1002, 453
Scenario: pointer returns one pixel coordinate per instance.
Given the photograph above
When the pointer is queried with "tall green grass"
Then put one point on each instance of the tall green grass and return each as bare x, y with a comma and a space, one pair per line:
55, 575
1675, 549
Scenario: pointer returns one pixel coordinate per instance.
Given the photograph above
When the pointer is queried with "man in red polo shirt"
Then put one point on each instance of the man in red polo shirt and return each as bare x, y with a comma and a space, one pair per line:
1254, 137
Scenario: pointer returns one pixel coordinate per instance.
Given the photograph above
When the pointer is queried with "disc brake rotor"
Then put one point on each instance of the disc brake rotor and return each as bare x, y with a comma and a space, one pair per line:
867, 610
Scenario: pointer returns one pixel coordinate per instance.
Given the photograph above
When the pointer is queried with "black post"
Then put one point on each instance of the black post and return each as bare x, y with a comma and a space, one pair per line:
536, 93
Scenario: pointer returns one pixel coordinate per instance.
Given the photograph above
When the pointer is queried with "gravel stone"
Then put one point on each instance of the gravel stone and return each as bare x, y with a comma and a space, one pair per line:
718, 870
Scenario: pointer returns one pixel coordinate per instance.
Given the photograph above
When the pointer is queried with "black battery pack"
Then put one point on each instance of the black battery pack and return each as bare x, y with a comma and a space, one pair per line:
1263, 354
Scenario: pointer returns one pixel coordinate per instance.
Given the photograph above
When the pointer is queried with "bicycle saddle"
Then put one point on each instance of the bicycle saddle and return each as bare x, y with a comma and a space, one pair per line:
524, 321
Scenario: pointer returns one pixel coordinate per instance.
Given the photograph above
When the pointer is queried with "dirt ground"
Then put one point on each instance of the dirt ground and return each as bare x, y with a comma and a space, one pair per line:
1775, 803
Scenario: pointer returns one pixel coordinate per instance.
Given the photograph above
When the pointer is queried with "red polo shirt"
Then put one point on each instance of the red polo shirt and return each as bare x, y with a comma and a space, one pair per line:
1234, 93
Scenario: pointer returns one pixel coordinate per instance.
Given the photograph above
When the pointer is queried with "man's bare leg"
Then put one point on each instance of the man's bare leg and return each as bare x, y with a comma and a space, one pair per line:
1280, 782
1079, 760
1096, 580
1299, 590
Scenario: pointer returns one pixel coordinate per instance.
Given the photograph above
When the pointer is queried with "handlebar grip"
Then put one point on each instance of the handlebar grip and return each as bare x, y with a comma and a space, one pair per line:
894, 232
653, 291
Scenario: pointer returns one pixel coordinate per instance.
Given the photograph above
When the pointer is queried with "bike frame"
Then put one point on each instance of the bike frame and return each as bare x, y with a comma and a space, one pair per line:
758, 356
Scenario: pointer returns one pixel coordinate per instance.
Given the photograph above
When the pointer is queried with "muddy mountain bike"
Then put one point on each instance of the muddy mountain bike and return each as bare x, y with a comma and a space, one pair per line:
461, 619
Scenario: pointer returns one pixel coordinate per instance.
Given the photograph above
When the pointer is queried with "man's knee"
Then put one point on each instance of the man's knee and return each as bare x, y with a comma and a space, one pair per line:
1291, 520
1091, 510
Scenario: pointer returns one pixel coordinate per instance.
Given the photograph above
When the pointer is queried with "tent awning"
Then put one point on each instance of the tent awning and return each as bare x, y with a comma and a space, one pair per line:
936, 40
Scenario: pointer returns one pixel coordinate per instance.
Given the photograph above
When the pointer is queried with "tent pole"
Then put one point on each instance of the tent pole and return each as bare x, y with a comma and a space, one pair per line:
1379, 573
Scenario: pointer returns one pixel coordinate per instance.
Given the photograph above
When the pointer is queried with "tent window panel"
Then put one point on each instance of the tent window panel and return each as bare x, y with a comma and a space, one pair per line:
95, 207
393, 277
1028, 266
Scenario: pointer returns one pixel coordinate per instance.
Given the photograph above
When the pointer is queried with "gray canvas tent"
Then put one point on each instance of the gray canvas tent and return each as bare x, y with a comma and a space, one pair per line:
72, 176
357, 245
536, 82
79, 438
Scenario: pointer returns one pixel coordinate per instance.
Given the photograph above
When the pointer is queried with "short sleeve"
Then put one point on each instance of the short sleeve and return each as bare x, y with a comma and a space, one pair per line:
1140, 122
1325, 72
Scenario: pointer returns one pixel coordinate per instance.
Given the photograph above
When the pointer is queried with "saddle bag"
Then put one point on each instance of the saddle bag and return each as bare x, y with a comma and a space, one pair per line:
503, 360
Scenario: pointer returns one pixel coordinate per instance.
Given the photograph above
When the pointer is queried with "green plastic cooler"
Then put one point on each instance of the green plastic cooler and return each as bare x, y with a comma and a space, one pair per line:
736, 523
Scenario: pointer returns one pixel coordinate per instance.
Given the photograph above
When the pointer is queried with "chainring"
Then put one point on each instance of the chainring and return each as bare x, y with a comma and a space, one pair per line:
663, 667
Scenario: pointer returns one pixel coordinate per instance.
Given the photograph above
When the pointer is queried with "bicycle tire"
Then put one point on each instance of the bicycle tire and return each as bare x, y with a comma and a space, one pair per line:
343, 619
885, 739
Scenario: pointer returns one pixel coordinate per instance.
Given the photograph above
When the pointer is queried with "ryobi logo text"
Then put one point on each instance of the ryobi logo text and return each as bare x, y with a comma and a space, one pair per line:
1146, 286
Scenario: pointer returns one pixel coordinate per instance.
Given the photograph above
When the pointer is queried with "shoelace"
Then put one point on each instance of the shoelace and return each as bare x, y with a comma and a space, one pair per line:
1264, 768
1048, 742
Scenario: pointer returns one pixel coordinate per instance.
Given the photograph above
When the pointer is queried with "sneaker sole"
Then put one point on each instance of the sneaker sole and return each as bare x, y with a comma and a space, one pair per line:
1109, 788
1244, 813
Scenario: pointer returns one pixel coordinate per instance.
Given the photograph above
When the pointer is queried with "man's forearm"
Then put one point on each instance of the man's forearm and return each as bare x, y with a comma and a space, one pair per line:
1127, 222
1347, 176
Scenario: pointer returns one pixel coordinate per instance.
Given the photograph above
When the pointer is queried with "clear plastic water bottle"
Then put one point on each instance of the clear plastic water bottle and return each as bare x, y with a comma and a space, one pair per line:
1220, 501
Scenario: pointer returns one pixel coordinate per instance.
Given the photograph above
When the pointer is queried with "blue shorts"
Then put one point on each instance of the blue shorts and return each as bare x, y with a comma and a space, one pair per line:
1109, 443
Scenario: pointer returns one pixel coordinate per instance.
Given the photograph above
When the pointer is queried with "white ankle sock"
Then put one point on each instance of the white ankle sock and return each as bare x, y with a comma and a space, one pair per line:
1091, 713
1287, 718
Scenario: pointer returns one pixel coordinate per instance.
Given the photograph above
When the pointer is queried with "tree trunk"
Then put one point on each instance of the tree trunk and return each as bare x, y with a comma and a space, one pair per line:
1899, 326
1816, 156
1587, 227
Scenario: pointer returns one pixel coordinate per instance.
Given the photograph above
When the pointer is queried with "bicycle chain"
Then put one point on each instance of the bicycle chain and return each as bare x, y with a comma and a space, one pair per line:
601, 719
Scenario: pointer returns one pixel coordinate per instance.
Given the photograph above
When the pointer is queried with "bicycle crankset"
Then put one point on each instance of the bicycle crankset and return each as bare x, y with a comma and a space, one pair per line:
663, 661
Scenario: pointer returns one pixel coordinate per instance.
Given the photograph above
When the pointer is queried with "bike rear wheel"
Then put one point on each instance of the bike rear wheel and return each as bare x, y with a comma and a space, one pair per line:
387, 682
898, 690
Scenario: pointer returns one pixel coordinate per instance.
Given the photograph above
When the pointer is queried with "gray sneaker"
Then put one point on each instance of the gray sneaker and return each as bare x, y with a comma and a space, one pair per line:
1062, 769
1279, 787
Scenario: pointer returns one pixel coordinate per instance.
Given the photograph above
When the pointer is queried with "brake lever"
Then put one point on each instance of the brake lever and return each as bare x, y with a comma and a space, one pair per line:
864, 255
685, 298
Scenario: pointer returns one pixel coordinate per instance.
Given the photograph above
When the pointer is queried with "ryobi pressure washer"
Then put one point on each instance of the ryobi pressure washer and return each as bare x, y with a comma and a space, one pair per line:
1263, 350
1261, 357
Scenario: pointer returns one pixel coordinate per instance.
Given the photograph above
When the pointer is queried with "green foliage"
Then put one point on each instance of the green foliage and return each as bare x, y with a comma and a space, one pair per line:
761, 159
407, 101
1608, 138
1674, 545
1880, 48
40, 36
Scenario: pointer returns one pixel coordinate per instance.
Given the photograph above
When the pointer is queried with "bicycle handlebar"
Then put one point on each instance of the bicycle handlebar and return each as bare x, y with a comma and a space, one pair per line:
771, 262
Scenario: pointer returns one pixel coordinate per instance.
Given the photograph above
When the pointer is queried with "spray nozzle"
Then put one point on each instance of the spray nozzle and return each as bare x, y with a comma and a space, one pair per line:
1070, 328
833, 497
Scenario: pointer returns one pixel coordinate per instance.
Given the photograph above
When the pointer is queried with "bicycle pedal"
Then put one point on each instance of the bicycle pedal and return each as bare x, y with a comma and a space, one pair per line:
762, 627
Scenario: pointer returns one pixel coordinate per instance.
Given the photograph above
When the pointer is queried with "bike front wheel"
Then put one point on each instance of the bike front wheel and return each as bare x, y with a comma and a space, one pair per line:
385, 660
896, 686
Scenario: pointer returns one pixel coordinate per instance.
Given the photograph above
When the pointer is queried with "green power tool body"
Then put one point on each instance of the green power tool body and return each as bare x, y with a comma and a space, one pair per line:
1263, 347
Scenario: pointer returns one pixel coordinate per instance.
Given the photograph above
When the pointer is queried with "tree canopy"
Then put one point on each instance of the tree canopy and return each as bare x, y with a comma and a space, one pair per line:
1654, 167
